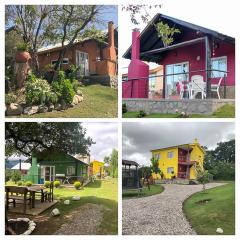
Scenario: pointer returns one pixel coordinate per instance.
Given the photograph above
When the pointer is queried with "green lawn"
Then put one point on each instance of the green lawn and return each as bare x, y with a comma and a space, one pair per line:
154, 189
98, 101
218, 211
227, 111
103, 192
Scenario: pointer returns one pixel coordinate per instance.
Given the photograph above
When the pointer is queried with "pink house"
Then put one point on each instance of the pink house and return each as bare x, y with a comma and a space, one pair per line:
195, 51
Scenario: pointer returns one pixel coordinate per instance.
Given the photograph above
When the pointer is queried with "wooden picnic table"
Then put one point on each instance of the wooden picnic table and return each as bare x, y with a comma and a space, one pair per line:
36, 189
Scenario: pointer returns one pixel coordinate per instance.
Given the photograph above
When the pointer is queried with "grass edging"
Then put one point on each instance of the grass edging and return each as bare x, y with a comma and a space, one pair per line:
135, 195
206, 227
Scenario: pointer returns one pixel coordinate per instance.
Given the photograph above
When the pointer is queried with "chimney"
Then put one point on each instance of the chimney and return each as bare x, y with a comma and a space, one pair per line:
111, 34
135, 43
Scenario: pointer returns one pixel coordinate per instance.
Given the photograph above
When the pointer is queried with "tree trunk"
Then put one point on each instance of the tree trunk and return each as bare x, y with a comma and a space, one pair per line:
35, 64
20, 73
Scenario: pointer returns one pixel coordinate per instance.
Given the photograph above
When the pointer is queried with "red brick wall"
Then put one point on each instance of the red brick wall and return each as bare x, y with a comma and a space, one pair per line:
89, 47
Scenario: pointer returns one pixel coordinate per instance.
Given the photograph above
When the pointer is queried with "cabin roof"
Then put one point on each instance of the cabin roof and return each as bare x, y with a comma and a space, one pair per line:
129, 162
41, 154
149, 39
185, 146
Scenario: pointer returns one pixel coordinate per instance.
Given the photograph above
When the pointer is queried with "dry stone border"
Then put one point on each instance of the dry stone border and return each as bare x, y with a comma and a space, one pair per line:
16, 109
160, 214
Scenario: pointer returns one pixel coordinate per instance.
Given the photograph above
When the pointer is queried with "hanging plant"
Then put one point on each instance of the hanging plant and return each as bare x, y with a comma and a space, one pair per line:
166, 33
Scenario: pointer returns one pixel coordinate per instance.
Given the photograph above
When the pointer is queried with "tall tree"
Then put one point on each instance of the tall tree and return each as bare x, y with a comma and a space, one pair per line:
73, 22
112, 161
155, 165
33, 23
28, 137
220, 162
139, 12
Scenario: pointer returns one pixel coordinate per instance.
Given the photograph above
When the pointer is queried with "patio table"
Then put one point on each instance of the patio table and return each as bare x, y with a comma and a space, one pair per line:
33, 190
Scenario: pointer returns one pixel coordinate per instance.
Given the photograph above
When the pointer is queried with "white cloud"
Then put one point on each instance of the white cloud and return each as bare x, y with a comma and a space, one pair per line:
106, 137
140, 138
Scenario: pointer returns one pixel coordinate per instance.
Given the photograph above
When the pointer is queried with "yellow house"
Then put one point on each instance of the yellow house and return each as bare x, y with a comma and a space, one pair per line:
180, 161
97, 168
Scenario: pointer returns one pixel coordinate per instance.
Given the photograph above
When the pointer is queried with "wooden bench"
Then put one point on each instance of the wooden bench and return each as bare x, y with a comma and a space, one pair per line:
14, 193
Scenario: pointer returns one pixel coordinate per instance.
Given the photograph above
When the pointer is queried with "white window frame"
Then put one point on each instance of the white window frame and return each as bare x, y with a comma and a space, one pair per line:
187, 62
172, 169
72, 171
152, 77
64, 59
157, 156
172, 154
221, 74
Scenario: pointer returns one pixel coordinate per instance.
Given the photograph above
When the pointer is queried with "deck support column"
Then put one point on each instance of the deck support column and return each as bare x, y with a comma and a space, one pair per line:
208, 67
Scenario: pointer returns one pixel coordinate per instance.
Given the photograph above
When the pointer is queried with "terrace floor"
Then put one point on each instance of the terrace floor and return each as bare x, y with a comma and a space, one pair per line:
38, 209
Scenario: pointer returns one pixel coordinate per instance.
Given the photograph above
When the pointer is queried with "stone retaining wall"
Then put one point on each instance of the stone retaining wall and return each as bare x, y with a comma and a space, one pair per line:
193, 106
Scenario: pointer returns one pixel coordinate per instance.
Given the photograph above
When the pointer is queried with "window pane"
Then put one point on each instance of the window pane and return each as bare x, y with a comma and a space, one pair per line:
219, 64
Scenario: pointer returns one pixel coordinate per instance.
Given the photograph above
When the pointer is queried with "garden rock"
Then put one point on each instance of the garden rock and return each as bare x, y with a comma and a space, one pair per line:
31, 110
51, 107
63, 105
76, 198
66, 202
75, 100
58, 107
80, 98
14, 109
43, 109
219, 230
79, 92
55, 212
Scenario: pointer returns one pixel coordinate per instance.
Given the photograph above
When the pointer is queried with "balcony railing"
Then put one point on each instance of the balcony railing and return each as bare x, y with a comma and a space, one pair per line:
213, 80
182, 175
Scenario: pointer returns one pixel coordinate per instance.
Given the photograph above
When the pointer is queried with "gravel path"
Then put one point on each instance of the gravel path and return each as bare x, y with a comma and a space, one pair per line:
160, 214
85, 220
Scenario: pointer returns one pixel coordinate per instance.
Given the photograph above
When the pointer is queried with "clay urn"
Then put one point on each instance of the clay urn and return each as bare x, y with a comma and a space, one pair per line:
22, 55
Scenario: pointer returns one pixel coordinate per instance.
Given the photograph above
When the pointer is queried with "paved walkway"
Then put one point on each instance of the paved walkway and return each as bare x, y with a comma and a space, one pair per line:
160, 214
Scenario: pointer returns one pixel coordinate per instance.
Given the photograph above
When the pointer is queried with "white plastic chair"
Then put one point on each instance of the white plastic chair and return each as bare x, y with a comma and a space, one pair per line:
197, 85
216, 87
182, 90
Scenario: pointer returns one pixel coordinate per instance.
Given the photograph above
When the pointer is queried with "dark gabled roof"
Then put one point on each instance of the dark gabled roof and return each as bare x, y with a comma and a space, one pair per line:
128, 162
149, 39
40, 154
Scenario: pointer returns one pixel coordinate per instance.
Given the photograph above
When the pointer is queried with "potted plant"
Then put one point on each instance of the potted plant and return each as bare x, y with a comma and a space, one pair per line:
22, 54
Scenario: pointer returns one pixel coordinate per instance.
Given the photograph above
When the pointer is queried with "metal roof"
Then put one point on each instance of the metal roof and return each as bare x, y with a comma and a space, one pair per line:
24, 166
128, 162
149, 39
182, 146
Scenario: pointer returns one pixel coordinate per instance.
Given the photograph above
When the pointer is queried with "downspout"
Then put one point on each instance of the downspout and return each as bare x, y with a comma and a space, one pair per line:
208, 67
188, 168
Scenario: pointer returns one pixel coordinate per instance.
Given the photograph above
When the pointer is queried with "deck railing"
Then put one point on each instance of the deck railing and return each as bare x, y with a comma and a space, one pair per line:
188, 74
64, 179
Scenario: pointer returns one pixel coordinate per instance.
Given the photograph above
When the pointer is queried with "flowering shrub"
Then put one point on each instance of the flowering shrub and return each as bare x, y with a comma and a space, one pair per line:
37, 91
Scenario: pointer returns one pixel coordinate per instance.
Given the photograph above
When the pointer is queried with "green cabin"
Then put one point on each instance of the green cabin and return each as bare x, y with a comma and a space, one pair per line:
51, 165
